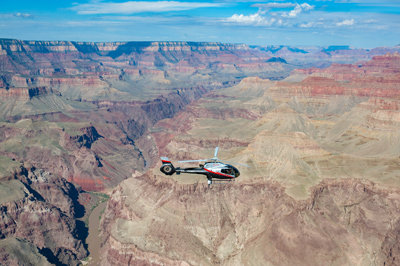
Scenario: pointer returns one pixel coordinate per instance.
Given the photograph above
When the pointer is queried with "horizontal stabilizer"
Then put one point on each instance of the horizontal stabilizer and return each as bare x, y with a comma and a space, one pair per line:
165, 160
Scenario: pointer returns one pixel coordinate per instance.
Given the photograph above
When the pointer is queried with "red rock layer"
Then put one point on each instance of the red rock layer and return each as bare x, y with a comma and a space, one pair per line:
377, 78
23, 94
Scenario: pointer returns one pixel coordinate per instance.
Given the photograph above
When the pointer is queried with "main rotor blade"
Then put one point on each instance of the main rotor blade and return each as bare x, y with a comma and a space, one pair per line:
216, 152
191, 161
237, 163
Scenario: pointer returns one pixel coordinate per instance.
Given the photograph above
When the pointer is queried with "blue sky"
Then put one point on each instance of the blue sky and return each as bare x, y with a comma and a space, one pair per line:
359, 23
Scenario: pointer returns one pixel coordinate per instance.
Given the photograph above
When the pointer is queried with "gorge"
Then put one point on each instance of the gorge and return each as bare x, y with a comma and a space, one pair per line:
319, 126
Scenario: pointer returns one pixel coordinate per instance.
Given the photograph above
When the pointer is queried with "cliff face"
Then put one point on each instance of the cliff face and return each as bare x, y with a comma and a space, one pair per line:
106, 47
376, 78
17, 54
24, 94
38, 213
151, 219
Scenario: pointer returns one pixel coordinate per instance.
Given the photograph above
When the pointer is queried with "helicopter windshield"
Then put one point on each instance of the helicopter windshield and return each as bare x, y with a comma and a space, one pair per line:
230, 170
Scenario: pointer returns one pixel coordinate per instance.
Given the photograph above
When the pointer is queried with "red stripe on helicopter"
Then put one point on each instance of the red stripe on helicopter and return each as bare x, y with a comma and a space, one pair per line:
166, 161
218, 173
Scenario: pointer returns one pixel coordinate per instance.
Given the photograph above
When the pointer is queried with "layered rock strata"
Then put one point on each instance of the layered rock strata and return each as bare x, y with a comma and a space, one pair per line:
97, 113
119, 90
155, 220
322, 189
38, 225
300, 130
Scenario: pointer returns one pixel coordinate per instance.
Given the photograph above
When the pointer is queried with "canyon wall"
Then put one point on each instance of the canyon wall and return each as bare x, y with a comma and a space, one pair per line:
52, 92
322, 189
37, 223
344, 222
79, 114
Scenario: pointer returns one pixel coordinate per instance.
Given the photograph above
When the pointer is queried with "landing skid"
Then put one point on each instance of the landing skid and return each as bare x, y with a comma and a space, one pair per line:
220, 181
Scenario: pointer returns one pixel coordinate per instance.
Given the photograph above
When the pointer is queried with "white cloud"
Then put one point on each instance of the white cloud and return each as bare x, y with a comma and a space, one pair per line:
253, 19
303, 8
347, 22
271, 19
307, 25
26, 15
306, 7
132, 7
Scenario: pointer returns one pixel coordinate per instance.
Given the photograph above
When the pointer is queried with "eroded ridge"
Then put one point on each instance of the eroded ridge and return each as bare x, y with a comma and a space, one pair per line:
345, 221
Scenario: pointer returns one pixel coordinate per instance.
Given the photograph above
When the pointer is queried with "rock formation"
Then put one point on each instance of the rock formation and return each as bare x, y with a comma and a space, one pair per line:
323, 144
37, 223
153, 220
95, 114
119, 90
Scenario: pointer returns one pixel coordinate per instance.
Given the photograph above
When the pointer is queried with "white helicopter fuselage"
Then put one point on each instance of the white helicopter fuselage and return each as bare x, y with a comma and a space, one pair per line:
212, 168
221, 170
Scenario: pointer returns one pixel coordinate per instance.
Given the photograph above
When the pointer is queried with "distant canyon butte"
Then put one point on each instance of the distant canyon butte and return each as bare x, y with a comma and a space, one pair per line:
320, 127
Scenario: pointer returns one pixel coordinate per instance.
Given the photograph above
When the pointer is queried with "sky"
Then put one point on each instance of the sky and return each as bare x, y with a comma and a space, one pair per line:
358, 23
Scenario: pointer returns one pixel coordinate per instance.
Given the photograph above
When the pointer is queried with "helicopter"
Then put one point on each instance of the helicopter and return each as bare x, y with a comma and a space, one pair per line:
212, 168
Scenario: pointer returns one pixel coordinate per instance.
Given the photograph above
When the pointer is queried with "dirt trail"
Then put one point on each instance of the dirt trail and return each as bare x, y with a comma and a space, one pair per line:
93, 239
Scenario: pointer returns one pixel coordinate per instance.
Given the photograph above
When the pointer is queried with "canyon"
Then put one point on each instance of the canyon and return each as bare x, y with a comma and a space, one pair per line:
318, 125
323, 146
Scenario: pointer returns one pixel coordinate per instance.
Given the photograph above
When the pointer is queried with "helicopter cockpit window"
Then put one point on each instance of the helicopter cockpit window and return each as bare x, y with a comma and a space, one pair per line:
227, 171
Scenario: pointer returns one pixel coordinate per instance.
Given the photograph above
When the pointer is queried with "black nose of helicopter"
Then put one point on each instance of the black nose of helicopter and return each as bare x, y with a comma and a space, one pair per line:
237, 173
